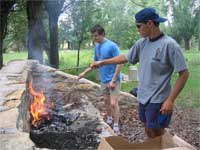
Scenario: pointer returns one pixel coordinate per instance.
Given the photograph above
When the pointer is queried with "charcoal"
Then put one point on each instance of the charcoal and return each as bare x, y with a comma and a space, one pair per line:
66, 118
58, 135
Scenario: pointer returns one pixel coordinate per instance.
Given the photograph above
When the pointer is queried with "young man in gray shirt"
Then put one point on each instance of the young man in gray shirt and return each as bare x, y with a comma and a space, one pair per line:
159, 56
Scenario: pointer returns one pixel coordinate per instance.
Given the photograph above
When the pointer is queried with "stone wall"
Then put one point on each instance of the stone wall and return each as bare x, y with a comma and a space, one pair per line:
13, 89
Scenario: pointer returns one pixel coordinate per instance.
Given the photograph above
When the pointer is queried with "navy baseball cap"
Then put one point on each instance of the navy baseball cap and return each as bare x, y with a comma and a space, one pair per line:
147, 14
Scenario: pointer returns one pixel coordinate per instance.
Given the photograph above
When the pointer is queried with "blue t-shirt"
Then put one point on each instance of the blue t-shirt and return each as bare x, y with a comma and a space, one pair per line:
105, 50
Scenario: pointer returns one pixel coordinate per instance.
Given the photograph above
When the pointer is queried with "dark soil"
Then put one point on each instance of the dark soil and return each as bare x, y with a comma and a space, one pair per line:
185, 123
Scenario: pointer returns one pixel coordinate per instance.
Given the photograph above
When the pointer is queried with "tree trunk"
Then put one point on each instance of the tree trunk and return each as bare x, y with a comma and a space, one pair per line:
54, 9
5, 7
187, 44
68, 45
63, 44
34, 10
37, 40
1, 53
53, 27
78, 55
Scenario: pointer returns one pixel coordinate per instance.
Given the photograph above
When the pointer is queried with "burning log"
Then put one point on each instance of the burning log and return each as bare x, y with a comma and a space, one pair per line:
58, 132
58, 135
55, 128
37, 108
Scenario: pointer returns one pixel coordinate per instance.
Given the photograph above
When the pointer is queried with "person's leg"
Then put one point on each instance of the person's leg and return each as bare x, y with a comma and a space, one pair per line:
141, 113
114, 103
115, 108
106, 98
152, 133
155, 121
108, 109
116, 114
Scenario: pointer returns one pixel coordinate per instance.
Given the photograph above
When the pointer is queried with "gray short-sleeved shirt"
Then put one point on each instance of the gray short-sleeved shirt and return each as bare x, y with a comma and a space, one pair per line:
158, 60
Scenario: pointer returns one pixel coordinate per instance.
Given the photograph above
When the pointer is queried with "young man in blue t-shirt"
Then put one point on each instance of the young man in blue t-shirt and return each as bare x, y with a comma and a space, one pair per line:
159, 56
109, 75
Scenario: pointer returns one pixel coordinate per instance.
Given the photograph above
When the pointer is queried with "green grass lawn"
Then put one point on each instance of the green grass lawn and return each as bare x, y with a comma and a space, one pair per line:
189, 97
13, 56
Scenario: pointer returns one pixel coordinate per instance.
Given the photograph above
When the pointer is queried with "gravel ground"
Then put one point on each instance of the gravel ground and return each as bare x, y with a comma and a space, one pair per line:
185, 123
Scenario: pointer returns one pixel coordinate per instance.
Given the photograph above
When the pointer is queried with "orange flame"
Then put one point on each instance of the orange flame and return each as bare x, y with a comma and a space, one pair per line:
37, 107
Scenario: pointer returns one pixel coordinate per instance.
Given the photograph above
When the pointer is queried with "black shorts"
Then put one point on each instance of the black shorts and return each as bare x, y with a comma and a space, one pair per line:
150, 114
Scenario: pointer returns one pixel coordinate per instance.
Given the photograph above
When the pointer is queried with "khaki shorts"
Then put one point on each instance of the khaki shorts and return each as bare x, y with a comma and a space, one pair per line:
113, 92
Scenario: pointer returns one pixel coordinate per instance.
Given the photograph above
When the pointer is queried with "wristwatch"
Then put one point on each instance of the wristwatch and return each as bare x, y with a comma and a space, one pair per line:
114, 81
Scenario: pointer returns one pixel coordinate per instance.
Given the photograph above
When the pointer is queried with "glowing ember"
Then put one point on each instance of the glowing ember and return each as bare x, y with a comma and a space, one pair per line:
37, 108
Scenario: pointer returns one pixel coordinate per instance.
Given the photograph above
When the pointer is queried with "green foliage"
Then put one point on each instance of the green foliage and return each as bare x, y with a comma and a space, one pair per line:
197, 27
66, 33
117, 17
76, 28
120, 25
17, 28
183, 25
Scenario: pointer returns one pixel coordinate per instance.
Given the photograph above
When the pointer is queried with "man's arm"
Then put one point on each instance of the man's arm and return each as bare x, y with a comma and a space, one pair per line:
112, 83
168, 104
121, 59
117, 71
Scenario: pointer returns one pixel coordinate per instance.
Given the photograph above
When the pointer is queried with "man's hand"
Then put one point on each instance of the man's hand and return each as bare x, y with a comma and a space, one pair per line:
167, 107
111, 85
96, 64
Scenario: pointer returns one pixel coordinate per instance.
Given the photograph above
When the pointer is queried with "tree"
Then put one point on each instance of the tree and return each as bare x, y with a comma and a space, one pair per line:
197, 28
54, 9
66, 34
37, 40
118, 19
81, 14
119, 23
5, 7
183, 20
17, 28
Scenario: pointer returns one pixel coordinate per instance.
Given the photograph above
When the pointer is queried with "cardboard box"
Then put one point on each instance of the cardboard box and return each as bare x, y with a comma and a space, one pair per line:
165, 142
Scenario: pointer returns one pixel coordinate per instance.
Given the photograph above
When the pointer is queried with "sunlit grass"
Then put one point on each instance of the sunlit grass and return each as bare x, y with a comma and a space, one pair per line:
14, 56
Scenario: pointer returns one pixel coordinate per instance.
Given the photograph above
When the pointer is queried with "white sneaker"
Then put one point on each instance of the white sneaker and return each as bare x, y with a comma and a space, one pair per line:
116, 129
109, 120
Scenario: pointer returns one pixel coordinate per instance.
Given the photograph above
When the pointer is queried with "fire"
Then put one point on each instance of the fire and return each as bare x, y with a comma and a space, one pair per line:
37, 108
